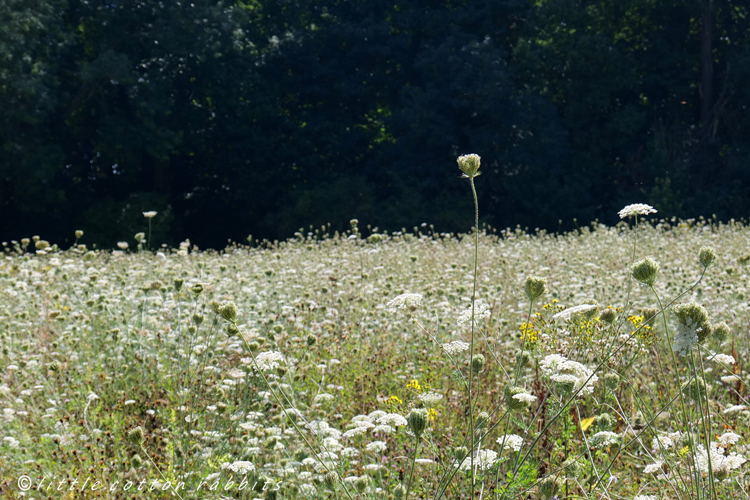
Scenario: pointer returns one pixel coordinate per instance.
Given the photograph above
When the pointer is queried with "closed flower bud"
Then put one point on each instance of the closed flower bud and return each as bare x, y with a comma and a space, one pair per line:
611, 381
649, 315
331, 480
604, 422
197, 319
278, 328
399, 491
608, 315
721, 331
79, 234
228, 311
197, 289
645, 271
214, 306
477, 363
695, 316
311, 340
534, 287
136, 461
178, 284
232, 330
519, 403
135, 435
482, 419
706, 256
54, 366
354, 222
721, 471
139, 237
460, 453
522, 358
694, 389
361, 484
469, 165
547, 487
417, 420
41, 245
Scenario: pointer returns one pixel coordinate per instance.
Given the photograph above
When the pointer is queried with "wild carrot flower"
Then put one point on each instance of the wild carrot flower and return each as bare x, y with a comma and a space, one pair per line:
510, 442
149, 215
570, 311
481, 311
636, 209
269, 360
404, 301
455, 347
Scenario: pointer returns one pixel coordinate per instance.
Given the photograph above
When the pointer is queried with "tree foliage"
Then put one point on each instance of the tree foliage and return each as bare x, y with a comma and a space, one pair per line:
248, 116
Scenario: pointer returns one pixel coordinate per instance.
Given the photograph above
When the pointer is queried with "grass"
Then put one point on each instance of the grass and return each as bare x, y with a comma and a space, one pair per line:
97, 343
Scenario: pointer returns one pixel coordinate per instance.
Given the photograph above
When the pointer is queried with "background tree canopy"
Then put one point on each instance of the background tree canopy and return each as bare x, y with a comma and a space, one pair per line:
260, 117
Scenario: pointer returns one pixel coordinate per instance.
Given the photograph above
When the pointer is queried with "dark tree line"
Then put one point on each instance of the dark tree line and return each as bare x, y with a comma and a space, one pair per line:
260, 117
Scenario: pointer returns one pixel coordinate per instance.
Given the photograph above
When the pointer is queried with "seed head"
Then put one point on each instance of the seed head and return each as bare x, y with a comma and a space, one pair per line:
417, 420
477, 363
608, 315
482, 419
534, 287
135, 435
469, 165
331, 480
547, 487
228, 311
649, 315
721, 331
645, 271
361, 484
706, 256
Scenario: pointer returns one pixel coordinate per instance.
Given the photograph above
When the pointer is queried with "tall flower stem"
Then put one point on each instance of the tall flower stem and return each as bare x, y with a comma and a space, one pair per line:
473, 311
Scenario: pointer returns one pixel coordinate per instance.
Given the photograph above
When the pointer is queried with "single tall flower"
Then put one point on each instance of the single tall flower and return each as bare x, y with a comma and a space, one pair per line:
636, 209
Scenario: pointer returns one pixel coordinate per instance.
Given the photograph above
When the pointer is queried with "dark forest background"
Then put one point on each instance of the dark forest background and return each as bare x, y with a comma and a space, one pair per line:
263, 116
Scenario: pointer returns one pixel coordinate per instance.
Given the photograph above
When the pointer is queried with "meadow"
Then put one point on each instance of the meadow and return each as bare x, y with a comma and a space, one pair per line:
339, 365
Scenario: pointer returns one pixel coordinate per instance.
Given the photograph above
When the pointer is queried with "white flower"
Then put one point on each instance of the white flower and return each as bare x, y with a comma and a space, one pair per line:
686, 337
729, 438
481, 311
654, 468
323, 398
604, 438
718, 459
510, 442
455, 347
645, 497
483, 460
149, 215
430, 397
392, 419
636, 209
570, 311
734, 409
525, 398
240, 467
269, 360
122, 245
724, 359
376, 446
560, 369
731, 379
404, 301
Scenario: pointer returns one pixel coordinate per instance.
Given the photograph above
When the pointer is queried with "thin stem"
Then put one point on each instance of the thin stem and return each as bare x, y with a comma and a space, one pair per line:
413, 462
473, 311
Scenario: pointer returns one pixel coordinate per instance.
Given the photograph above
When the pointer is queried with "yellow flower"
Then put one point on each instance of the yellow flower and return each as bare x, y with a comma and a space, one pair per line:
414, 384
432, 414
394, 400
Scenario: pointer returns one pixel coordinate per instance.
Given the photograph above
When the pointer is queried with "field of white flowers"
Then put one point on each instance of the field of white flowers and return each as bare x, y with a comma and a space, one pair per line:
344, 366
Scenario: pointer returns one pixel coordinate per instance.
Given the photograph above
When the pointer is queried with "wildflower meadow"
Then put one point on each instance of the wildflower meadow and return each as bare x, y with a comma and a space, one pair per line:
601, 363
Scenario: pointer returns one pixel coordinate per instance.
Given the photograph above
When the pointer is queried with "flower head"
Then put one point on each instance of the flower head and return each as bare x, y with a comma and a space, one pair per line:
469, 165
405, 301
149, 215
636, 209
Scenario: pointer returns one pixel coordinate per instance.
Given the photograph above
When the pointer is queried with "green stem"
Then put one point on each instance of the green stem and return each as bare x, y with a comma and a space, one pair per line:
473, 310
413, 461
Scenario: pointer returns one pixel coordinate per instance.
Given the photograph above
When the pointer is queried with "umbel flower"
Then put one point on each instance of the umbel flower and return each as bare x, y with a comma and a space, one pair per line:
693, 327
636, 209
